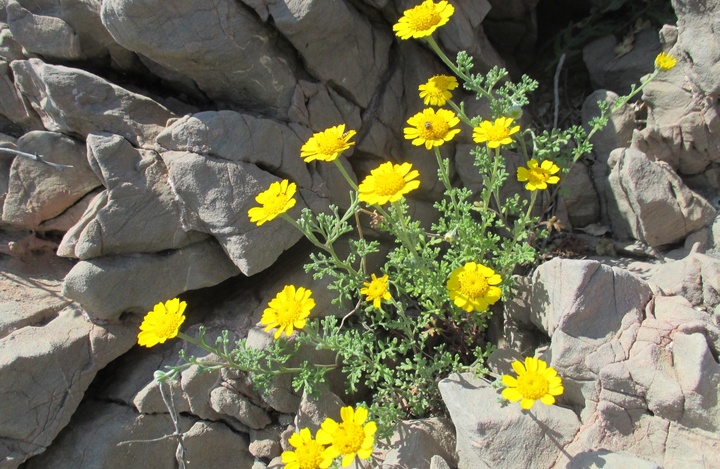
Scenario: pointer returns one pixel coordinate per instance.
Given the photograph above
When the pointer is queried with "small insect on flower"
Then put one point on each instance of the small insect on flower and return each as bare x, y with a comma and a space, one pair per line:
423, 20
535, 381
431, 128
665, 61
278, 199
349, 438
289, 310
328, 144
162, 323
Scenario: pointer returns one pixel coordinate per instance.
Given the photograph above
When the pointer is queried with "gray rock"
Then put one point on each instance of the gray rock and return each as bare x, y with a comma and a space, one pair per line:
138, 213
696, 39
488, 432
607, 460
358, 74
265, 443
51, 366
216, 195
212, 444
227, 402
611, 71
69, 218
12, 104
318, 107
416, 442
48, 36
225, 49
314, 410
696, 278
582, 202
10, 48
437, 462
572, 299
73, 101
38, 192
240, 137
649, 202
108, 286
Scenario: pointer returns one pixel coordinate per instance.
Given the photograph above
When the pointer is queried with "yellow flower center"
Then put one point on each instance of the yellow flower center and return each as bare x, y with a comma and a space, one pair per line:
309, 455
289, 312
376, 289
349, 438
389, 183
538, 176
434, 128
330, 144
497, 133
276, 205
473, 284
532, 385
422, 18
170, 326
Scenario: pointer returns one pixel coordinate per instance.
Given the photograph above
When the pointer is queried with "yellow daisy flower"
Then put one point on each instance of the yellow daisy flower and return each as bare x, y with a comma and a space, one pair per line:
431, 128
535, 381
665, 61
289, 309
538, 175
308, 454
376, 290
423, 19
495, 134
328, 144
351, 437
162, 323
388, 183
278, 199
473, 286
436, 91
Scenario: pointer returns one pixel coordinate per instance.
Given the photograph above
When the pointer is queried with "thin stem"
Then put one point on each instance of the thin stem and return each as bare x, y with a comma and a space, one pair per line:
460, 113
434, 46
345, 174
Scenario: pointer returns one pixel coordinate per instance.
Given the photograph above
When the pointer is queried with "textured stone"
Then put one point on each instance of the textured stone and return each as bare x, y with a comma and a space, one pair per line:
137, 213
357, 72
227, 402
696, 278
108, 286
52, 366
415, 442
649, 202
74, 101
38, 192
44, 35
223, 47
12, 104
488, 432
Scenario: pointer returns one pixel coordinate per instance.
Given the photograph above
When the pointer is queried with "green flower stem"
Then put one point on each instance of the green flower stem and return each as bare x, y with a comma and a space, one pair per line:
445, 177
434, 46
460, 113
533, 197
345, 174
403, 232
230, 363
327, 247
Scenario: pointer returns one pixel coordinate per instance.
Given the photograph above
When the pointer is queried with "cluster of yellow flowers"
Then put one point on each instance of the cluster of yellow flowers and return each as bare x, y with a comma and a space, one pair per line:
354, 436
472, 286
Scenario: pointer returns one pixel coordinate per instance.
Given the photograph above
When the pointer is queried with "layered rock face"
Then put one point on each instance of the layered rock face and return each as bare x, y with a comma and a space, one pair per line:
170, 117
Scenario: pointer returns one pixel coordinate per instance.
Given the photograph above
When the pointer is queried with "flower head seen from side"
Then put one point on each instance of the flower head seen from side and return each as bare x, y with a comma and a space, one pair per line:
376, 290
538, 175
665, 61
431, 128
162, 323
328, 144
354, 436
423, 20
278, 199
436, 92
535, 381
474, 287
495, 134
289, 310
308, 453
388, 183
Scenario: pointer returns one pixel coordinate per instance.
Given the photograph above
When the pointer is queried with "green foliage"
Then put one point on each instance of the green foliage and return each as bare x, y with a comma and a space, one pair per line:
401, 350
